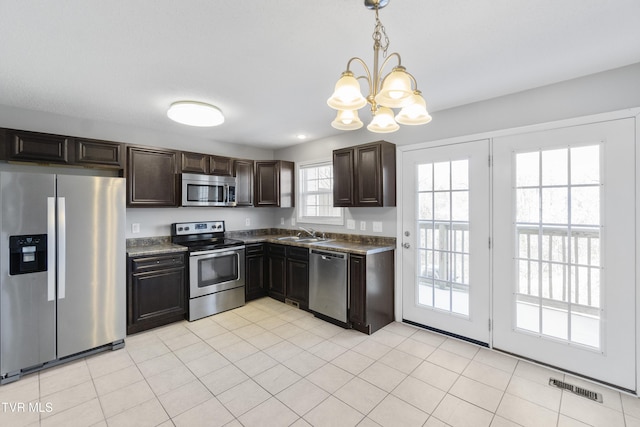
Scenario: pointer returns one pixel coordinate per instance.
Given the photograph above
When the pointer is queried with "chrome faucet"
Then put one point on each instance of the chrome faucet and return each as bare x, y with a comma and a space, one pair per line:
310, 231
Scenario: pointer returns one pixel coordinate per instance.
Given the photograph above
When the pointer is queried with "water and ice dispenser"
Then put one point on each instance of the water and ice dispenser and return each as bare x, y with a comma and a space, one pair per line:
28, 254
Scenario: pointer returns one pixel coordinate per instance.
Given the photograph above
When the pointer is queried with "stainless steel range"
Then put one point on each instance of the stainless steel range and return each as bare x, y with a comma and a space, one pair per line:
216, 267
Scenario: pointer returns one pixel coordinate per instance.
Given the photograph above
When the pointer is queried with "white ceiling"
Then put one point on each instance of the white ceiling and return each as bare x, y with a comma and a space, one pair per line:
271, 65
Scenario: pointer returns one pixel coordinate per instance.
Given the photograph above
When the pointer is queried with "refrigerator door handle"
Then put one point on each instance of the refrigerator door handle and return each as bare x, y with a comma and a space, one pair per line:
62, 247
51, 248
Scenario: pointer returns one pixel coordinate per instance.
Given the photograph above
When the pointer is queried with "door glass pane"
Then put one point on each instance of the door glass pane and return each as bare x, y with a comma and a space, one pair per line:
443, 236
557, 253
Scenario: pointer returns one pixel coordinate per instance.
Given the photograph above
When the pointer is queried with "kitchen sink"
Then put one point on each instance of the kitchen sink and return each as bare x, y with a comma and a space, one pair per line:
304, 239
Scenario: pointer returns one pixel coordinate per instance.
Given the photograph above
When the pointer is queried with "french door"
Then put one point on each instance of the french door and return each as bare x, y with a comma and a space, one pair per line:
445, 254
564, 249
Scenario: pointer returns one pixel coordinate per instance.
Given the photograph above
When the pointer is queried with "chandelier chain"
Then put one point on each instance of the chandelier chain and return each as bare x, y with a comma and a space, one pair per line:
378, 33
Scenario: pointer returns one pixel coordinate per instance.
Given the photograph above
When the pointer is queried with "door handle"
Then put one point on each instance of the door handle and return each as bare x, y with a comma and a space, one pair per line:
406, 245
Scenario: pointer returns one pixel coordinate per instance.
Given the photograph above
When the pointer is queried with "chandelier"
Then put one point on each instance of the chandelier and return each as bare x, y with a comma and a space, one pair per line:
397, 89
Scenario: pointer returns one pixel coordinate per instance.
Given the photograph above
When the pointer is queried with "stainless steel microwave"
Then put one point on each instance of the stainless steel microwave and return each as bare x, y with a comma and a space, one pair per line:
208, 190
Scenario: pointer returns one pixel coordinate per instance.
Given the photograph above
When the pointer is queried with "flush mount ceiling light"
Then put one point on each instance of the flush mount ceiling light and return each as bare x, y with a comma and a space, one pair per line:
195, 113
397, 89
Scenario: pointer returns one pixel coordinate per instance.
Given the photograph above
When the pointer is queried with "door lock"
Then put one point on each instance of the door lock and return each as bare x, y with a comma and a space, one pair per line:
406, 245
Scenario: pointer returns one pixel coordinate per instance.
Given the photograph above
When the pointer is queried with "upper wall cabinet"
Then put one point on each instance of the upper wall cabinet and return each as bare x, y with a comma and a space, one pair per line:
91, 152
37, 147
243, 171
365, 175
194, 162
24, 146
151, 177
274, 184
205, 163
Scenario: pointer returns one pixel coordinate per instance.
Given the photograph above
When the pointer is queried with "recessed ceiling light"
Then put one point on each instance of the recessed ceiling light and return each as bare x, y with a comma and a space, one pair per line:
301, 136
195, 113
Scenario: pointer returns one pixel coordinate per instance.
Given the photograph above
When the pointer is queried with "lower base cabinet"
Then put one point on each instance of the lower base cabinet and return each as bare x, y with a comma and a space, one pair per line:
254, 271
288, 274
156, 291
371, 294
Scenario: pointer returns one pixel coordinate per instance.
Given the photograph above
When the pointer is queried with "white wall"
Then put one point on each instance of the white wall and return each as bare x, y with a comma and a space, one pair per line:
608, 91
598, 93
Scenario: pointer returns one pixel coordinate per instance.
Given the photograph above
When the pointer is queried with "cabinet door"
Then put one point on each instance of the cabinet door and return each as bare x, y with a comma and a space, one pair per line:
298, 282
368, 165
151, 178
155, 298
254, 266
267, 188
33, 146
243, 171
194, 163
358, 292
276, 271
220, 165
104, 153
343, 176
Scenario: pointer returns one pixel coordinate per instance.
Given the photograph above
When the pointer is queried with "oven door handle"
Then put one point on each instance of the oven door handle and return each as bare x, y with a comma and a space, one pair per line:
216, 252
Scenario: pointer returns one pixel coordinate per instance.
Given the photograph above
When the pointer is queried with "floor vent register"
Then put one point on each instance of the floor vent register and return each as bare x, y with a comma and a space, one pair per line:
591, 395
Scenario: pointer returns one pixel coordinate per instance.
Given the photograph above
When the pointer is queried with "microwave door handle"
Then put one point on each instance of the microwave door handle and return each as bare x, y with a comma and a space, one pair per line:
225, 197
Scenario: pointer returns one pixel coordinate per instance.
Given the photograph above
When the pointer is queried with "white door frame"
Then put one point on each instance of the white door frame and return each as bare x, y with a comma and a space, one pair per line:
626, 113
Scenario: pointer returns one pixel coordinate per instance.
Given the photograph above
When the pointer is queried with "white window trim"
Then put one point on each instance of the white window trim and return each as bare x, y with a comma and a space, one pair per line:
313, 220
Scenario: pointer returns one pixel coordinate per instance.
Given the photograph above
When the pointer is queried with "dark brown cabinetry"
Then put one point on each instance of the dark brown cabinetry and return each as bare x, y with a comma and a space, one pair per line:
220, 165
297, 277
288, 274
156, 291
254, 271
274, 184
371, 279
276, 271
205, 164
37, 147
151, 177
365, 175
194, 163
89, 152
243, 171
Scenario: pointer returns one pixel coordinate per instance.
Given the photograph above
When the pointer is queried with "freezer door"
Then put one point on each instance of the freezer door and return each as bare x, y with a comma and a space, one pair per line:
92, 276
27, 301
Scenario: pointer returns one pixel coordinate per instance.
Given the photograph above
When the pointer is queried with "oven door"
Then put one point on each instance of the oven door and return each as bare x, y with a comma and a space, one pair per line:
215, 271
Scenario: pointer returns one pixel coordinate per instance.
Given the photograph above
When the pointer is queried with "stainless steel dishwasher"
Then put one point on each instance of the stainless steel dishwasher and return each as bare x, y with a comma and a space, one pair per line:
328, 286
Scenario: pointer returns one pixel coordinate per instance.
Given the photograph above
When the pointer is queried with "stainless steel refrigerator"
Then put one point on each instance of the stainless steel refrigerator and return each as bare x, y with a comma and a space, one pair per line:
62, 268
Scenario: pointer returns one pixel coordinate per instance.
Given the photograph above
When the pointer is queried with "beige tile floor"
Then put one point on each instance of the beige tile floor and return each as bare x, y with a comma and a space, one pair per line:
267, 364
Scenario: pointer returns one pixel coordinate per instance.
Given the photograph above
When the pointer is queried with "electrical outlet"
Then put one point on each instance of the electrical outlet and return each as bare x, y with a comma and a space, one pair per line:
247, 221
281, 221
377, 227
351, 224
135, 227
363, 225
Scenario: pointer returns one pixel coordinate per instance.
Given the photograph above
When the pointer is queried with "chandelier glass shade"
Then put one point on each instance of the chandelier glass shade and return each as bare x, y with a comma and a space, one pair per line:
397, 89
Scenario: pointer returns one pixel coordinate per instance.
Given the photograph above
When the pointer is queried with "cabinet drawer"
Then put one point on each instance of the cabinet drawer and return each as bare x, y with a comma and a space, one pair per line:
255, 249
298, 253
277, 250
156, 262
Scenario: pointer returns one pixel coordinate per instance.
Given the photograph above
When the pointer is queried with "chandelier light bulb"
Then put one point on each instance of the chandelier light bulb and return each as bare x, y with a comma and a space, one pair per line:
383, 121
414, 113
347, 120
193, 113
396, 89
347, 95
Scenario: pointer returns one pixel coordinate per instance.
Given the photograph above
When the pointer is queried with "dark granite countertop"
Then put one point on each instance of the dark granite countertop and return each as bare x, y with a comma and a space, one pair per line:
348, 243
